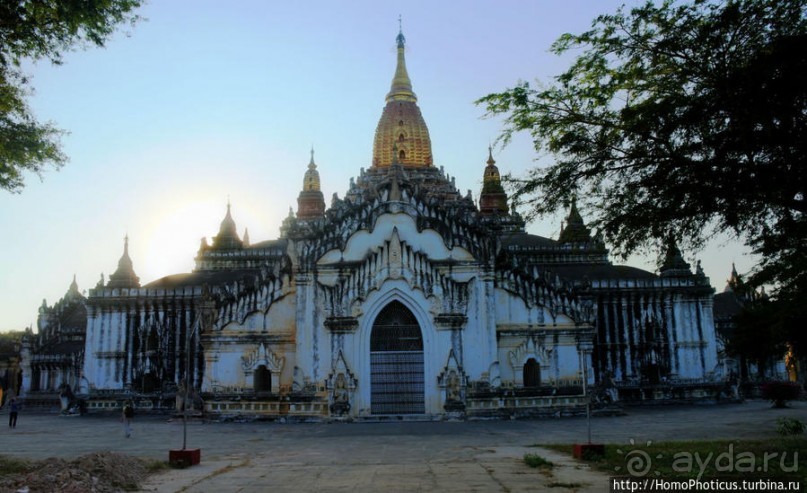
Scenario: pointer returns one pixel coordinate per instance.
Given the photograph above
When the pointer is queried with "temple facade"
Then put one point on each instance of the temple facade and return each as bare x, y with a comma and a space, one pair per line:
405, 297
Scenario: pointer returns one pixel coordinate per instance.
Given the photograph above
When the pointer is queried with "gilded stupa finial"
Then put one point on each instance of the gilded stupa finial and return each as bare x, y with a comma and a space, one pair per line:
401, 123
401, 89
311, 177
400, 39
310, 202
493, 199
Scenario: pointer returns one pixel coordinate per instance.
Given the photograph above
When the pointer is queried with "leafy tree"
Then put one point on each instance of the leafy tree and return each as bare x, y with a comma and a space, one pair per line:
683, 120
34, 30
755, 339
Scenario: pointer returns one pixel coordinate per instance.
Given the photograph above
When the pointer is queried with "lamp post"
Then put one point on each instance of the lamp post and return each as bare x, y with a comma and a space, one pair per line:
588, 449
188, 382
585, 348
186, 457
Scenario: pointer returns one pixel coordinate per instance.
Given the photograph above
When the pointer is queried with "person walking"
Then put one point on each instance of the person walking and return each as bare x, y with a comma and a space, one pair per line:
13, 410
128, 416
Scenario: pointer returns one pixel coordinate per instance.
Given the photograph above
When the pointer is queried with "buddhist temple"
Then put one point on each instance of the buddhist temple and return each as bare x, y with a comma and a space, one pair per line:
404, 297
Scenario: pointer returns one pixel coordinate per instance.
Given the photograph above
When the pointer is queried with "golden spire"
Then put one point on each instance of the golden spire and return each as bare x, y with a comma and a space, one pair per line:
311, 178
493, 199
401, 89
401, 124
491, 177
310, 202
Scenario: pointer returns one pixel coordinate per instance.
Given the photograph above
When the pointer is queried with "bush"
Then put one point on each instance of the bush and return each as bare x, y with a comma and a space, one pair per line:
780, 392
789, 426
534, 460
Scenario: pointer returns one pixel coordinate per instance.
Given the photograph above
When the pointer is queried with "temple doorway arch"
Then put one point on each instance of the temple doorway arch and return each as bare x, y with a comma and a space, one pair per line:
396, 362
262, 380
532, 374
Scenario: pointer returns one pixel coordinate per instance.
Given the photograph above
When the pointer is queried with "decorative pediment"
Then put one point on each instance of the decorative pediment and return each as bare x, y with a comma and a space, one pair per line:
341, 384
453, 381
452, 365
454, 220
344, 282
260, 355
527, 350
340, 368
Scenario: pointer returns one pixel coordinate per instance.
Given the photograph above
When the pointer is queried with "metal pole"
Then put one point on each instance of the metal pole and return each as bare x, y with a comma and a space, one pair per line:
585, 393
187, 383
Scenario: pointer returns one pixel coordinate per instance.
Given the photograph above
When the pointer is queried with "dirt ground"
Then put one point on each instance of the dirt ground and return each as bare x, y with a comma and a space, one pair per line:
98, 472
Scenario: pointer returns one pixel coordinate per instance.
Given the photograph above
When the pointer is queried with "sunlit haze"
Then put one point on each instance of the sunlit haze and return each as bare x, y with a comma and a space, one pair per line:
209, 101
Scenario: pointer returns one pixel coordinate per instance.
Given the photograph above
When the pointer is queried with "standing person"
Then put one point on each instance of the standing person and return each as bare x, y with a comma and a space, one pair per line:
128, 415
12, 415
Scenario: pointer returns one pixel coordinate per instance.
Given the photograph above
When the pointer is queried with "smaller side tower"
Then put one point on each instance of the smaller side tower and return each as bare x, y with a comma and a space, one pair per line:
310, 202
125, 276
227, 239
493, 199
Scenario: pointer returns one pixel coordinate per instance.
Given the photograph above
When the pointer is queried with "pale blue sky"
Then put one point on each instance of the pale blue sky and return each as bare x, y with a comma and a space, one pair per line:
209, 99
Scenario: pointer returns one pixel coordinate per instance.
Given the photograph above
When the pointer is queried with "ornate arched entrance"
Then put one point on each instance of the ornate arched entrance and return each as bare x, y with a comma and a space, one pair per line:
532, 373
262, 380
396, 362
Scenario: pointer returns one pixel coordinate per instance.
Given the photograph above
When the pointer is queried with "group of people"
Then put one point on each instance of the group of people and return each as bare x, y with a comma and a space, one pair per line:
127, 415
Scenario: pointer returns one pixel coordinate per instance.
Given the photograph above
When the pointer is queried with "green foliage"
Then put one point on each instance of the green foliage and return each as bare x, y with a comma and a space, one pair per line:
683, 120
756, 336
155, 465
44, 29
535, 460
789, 427
13, 465
591, 455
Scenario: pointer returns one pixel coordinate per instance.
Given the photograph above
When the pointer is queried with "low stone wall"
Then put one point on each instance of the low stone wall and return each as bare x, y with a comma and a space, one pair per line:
113, 403
267, 409
672, 394
41, 401
504, 406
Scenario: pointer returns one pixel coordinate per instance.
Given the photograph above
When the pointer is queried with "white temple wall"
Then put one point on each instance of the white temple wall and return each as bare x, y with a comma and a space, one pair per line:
512, 309
90, 341
478, 337
230, 367
265, 339
555, 352
709, 334
307, 338
568, 363
281, 318
95, 368
691, 348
